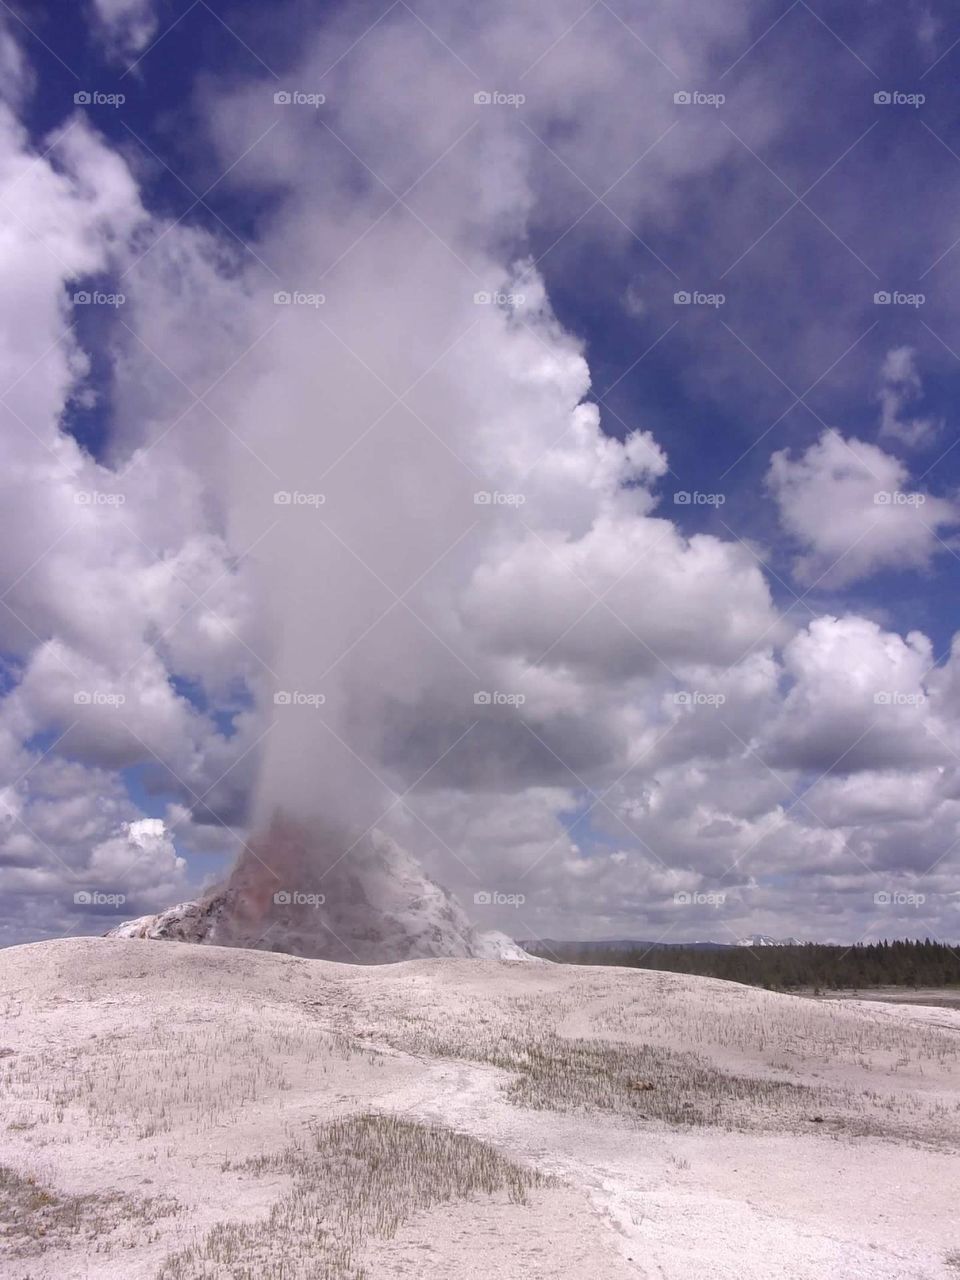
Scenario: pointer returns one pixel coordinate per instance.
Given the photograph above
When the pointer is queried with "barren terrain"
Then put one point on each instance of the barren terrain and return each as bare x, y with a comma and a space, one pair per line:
174, 1111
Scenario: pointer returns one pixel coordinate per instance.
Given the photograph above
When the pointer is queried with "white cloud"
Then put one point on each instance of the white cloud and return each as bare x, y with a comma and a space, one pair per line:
142, 859
113, 582
858, 699
127, 26
602, 793
16, 77
585, 603
853, 510
900, 386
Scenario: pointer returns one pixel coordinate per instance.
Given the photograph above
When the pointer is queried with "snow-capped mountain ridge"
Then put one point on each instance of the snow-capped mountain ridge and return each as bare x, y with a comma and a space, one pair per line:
764, 940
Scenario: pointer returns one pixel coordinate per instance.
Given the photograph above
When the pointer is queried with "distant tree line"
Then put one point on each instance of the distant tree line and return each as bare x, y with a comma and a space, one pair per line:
812, 965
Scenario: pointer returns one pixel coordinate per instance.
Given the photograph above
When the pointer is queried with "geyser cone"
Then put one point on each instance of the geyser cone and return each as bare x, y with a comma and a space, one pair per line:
308, 889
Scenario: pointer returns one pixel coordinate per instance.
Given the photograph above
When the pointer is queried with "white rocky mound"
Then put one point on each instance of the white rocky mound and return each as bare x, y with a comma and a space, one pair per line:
173, 1112
296, 891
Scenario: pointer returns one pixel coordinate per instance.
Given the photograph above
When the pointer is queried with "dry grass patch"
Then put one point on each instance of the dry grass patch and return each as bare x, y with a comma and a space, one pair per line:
709, 1062
651, 1083
154, 1081
35, 1219
800, 1030
355, 1179
644, 1081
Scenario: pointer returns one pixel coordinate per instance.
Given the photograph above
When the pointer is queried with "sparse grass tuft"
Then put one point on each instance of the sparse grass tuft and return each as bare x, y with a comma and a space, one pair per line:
34, 1219
146, 1082
649, 1082
356, 1178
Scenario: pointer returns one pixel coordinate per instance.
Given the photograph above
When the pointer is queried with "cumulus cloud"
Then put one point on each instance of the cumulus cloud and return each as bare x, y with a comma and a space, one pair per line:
127, 26
853, 510
379, 557
142, 858
16, 76
115, 579
900, 387
857, 701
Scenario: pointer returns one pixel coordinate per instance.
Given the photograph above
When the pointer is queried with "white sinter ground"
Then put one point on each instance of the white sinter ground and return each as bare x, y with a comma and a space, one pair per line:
170, 1111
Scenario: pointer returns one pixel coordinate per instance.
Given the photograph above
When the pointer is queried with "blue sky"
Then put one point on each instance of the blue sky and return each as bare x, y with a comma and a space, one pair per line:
783, 398
795, 296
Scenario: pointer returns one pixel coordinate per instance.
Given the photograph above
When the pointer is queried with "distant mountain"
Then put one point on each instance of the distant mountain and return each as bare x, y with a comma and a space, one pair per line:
764, 940
620, 944
638, 944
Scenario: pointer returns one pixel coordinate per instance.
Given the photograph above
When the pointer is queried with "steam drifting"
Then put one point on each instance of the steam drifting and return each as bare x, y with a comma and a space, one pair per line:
318, 547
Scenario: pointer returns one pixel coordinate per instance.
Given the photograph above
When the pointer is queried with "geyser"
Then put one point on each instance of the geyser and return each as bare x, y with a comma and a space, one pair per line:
295, 889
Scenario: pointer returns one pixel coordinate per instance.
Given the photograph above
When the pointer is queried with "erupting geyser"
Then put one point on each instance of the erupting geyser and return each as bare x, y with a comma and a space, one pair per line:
382, 588
307, 892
